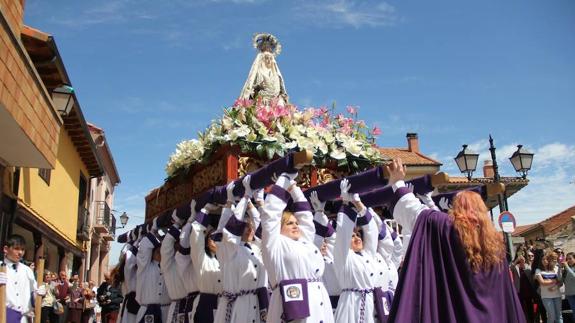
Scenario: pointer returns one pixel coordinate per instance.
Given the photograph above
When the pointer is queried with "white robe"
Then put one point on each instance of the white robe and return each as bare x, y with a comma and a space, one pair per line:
20, 287
286, 258
207, 269
242, 270
174, 281
129, 284
329, 277
185, 267
385, 248
358, 271
150, 285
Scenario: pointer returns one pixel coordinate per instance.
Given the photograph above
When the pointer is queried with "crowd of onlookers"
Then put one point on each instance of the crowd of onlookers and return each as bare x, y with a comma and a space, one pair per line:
71, 300
544, 278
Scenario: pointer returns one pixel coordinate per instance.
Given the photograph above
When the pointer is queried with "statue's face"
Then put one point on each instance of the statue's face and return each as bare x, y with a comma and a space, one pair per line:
268, 60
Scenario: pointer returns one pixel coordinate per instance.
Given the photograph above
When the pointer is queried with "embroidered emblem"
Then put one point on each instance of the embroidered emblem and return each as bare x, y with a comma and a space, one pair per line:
149, 318
181, 318
293, 292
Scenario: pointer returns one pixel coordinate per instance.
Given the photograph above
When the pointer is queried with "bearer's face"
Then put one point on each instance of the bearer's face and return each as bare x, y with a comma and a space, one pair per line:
290, 228
14, 253
356, 242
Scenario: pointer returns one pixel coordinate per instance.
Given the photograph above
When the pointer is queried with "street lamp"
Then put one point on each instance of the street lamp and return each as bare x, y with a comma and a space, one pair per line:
63, 98
123, 220
467, 161
522, 160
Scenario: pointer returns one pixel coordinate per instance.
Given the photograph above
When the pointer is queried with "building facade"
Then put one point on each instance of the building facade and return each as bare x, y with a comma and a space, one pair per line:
48, 157
102, 220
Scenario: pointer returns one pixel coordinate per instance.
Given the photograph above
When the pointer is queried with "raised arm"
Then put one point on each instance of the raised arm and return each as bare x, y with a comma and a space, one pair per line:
167, 249
146, 248
302, 211
370, 232
406, 207
182, 257
197, 238
273, 208
346, 218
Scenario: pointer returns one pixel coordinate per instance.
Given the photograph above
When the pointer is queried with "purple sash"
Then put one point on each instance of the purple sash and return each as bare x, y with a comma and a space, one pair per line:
382, 302
361, 182
294, 299
13, 316
153, 314
206, 306
131, 304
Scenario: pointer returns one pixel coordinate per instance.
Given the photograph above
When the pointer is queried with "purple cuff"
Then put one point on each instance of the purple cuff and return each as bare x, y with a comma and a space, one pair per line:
174, 232
182, 250
216, 236
202, 219
235, 226
133, 250
184, 211
382, 232
394, 235
280, 193
322, 230
302, 206
364, 220
153, 239
398, 195
259, 231
351, 214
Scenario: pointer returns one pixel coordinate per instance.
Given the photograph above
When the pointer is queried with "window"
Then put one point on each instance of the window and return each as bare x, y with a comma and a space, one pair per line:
45, 173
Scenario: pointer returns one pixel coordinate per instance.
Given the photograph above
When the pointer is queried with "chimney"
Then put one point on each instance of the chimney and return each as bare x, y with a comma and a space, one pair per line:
488, 169
412, 142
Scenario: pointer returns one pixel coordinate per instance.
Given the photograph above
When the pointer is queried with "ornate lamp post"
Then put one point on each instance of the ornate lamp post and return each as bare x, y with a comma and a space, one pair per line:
466, 160
521, 160
123, 220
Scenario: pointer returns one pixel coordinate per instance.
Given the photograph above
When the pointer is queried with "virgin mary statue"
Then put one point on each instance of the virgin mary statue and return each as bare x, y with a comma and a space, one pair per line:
265, 80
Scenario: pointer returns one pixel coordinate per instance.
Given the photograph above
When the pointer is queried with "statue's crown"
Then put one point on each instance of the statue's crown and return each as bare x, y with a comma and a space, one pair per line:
267, 43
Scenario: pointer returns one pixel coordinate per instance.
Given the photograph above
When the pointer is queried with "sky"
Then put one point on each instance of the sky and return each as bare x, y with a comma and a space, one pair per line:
154, 73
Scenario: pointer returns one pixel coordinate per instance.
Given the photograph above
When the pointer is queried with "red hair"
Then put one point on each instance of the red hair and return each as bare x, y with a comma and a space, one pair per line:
483, 245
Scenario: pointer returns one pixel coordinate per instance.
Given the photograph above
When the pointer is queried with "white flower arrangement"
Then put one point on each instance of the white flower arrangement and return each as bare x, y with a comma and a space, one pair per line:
273, 130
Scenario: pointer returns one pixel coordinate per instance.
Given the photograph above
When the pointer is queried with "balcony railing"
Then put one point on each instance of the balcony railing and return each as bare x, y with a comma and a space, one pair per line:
83, 231
105, 221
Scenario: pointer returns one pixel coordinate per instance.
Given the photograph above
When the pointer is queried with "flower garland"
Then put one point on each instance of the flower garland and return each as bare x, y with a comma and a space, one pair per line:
270, 130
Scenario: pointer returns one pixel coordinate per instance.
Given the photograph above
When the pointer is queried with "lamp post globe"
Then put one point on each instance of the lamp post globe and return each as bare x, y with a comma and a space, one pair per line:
63, 98
466, 161
124, 219
522, 160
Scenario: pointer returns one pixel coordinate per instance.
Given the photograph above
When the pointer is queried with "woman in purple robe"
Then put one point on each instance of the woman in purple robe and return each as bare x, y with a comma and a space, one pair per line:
454, 269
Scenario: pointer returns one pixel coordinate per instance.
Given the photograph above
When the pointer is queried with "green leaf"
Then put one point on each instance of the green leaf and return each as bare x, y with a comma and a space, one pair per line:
260, 150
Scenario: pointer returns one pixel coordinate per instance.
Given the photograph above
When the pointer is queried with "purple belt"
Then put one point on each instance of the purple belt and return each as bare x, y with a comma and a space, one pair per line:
363, 293
309, 280
232, 297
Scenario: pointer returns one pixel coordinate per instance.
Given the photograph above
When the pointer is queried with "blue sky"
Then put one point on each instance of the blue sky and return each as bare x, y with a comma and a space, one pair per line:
153, 73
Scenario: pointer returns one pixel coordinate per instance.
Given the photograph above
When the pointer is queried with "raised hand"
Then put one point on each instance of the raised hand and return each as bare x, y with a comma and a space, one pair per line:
259, 196
444, 204
396, 171
247, 187
230, 192
317, 205
345, 186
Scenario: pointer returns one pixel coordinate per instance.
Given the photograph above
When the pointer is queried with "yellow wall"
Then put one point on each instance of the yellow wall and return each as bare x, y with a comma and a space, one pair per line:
56, 204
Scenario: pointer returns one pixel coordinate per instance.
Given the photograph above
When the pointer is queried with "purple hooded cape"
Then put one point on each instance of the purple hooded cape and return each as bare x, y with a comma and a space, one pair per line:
436, 283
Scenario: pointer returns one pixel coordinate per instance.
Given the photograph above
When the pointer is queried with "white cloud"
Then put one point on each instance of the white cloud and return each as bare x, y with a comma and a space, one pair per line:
341, 13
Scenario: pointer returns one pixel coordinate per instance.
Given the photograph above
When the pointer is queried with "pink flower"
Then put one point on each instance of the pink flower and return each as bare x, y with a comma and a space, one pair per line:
361, 124
352, 109
243, 103
376, 131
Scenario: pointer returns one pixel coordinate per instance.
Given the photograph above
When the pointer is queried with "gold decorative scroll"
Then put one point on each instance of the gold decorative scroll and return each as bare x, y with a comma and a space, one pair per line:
208, 177
247, 165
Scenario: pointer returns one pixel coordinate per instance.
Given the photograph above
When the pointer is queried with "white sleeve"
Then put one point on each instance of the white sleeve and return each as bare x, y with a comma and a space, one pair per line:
407, 208
370, 232
271, 215
303, 214
182, 257
167, 249
346, 218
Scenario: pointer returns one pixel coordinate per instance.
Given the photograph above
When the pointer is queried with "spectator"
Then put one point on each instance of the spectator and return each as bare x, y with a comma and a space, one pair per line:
568, 274
63, 287
549, 282
48, 314
76, 303
109, 297
88, 304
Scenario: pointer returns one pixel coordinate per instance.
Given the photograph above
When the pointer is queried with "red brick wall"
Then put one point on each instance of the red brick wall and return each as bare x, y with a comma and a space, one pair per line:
20, 92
